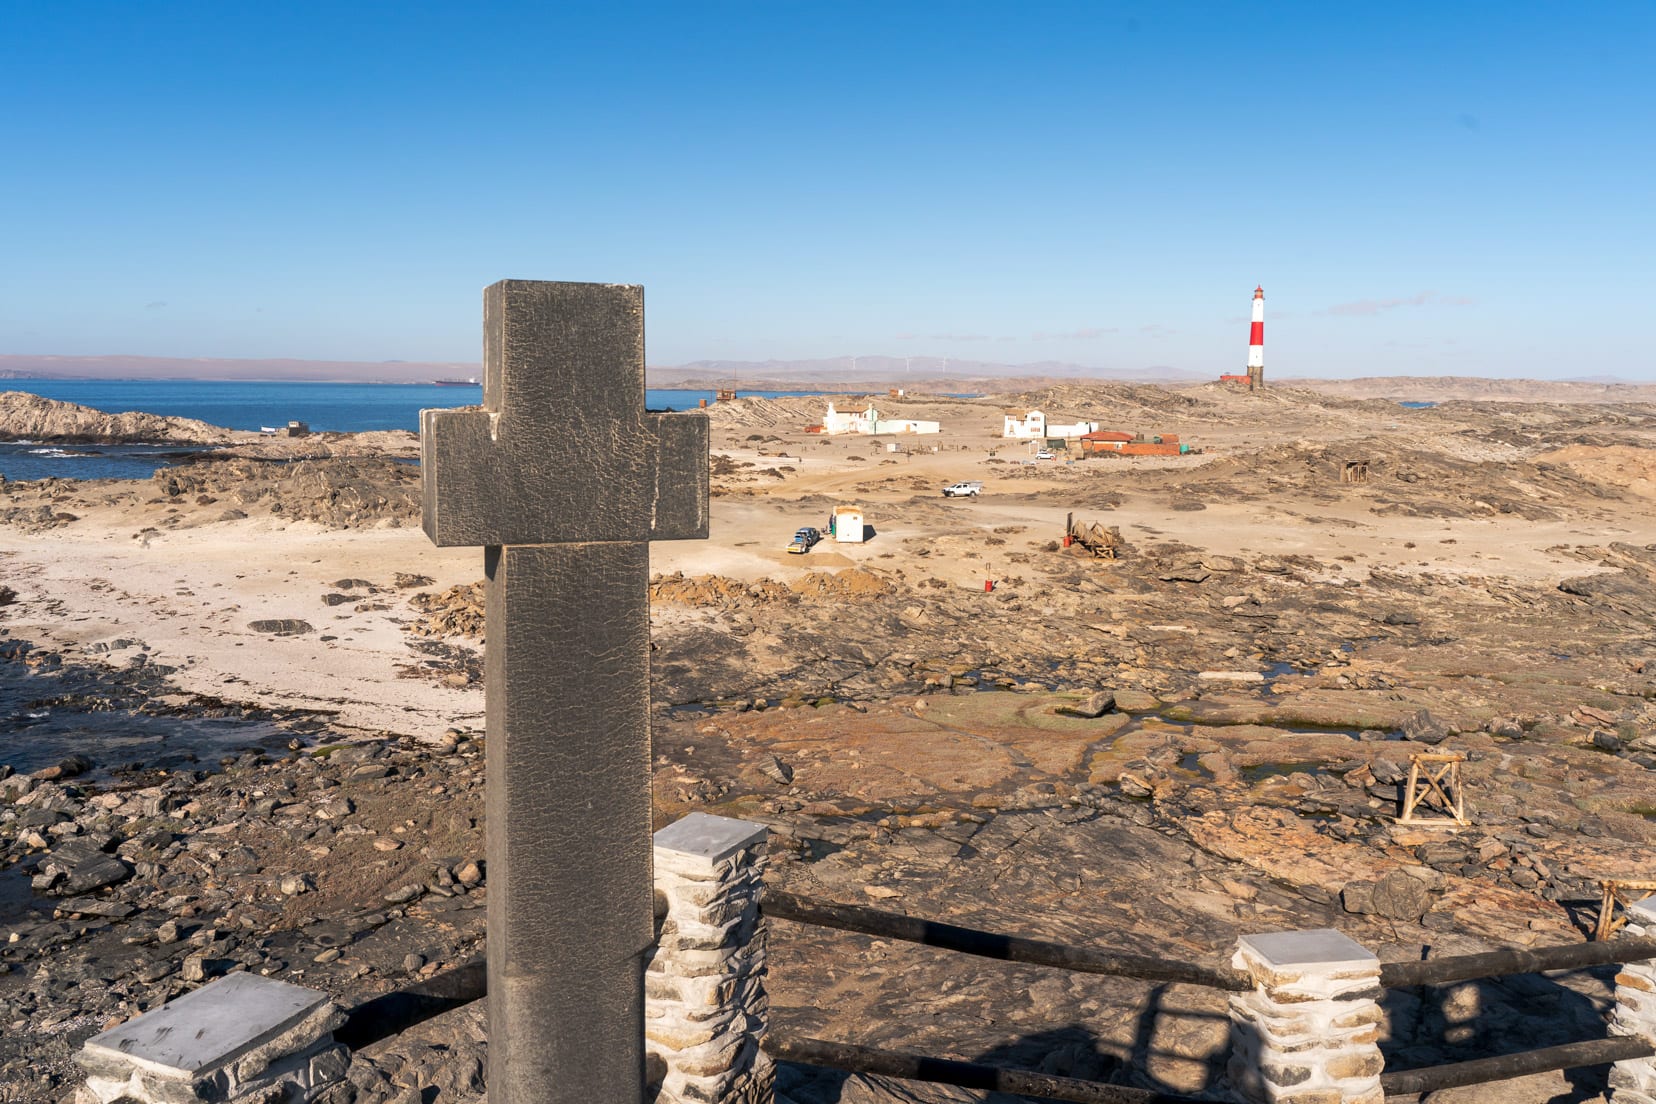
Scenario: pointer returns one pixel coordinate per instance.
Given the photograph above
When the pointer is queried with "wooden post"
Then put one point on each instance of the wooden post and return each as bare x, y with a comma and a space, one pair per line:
564, 479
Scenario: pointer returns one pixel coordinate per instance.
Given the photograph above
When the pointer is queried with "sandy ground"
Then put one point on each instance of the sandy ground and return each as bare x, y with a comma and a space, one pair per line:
748, 538
190, 595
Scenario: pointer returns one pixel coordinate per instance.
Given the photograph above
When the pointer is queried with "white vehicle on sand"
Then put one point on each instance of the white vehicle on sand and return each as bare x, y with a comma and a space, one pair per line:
963, 490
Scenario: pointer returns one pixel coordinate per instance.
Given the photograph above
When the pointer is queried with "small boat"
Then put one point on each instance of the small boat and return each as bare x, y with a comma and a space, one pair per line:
456, 383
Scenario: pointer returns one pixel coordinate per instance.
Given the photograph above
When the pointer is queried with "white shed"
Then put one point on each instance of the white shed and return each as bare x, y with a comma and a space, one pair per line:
848, 524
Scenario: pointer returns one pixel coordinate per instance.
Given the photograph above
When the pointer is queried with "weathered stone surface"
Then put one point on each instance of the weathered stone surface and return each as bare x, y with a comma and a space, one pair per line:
1635, 1012
212, 1029
706, 1005
282, 626
1308, 1030
1357, 897
1424, 728
90, 874
557, 355
1097, 704
95, 906
775, 769
564, 477
1400, 896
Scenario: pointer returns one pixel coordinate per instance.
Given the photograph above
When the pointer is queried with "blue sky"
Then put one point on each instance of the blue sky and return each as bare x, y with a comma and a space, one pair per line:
1431, 188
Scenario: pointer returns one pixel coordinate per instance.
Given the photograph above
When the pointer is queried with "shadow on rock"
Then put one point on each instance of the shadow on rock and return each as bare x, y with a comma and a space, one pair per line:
1072, 1052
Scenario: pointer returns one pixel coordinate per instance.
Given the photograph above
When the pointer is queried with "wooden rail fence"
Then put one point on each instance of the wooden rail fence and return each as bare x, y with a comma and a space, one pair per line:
1253, 994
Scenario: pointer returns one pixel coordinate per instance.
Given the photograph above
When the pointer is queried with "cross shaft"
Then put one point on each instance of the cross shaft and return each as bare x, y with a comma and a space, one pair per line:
563, 477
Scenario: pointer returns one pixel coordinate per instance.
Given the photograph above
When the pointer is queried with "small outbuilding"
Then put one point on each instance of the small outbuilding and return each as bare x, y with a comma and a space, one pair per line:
1033, 425
1113, 443
846, 524
869, 423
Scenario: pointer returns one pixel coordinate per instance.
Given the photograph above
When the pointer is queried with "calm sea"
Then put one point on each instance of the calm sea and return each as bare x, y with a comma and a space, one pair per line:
337, 407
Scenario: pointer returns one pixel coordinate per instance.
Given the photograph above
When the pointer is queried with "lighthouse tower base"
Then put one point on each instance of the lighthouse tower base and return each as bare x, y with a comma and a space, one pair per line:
1256, 377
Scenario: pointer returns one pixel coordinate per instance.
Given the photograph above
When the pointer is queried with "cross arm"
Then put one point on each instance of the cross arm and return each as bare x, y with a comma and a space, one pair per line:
476, 492
562, 449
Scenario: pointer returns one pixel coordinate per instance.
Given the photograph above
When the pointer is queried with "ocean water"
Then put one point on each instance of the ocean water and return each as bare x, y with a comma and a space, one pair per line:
325, 407
24, 460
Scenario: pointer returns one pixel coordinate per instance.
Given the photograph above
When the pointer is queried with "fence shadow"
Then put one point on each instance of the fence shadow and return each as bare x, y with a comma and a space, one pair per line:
1071, 1050
1437, 1025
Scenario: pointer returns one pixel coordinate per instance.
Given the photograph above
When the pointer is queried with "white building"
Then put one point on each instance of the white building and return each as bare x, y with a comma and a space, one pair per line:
1033, 425
848, 525
1025, 424
850, 421
1071, 429
869, 423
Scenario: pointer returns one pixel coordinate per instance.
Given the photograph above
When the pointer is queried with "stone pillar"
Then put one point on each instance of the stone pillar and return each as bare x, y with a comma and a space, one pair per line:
1309, 1032
705, 1004
1634, 1081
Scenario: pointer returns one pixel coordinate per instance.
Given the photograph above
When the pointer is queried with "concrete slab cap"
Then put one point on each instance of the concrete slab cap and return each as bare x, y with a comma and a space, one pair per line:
708, 837
204, 1030
1317, 947
1642, 911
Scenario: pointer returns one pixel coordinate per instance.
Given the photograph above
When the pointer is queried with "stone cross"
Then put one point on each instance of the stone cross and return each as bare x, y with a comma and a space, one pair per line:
564, 479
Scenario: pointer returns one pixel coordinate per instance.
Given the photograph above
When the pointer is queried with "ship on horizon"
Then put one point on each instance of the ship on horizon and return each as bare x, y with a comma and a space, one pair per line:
456, 383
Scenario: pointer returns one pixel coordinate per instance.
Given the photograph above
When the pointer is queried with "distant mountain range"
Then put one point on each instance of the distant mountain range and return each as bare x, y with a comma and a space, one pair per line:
1601, 389
843, 373
877, 373
865, 374
216, 368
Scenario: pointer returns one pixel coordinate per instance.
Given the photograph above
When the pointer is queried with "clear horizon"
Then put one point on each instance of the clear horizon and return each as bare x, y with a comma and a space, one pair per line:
1422, 190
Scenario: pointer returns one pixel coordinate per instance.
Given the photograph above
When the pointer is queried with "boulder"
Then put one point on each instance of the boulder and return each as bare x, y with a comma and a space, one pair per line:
1424, 728
90, 874
1097, 704
1136, 701
285, 626
1358, 897
1401, 896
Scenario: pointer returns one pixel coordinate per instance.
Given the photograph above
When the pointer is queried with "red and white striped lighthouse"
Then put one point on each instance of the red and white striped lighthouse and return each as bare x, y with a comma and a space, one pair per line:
1256, 341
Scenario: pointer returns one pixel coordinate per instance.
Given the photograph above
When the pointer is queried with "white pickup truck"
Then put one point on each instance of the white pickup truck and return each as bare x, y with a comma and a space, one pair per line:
962, 490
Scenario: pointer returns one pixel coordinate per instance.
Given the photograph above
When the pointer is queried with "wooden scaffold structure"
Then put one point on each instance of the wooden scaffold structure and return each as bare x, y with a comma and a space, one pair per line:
1441, 794
1103, 543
